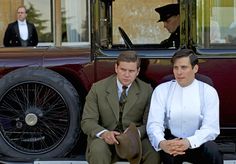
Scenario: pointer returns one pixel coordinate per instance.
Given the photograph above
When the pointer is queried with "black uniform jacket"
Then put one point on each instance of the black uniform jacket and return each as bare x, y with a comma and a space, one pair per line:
173, 40
12, 35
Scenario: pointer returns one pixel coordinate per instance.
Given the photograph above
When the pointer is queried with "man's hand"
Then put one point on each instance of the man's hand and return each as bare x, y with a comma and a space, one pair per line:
180, 146
168, 146
175, 147
110, 137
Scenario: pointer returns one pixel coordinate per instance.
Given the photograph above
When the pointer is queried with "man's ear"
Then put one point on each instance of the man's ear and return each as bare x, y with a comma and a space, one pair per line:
116, 67
138, 71
195, 68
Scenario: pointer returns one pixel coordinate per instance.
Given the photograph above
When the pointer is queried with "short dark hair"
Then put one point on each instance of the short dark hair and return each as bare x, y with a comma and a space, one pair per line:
185, 53
128, 56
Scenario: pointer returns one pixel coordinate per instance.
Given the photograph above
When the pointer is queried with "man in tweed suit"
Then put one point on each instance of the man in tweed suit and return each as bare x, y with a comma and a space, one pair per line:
101, 112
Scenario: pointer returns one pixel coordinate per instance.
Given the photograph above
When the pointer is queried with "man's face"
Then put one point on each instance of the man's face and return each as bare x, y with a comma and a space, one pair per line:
126, 72
21, 14
172, 23
183, 71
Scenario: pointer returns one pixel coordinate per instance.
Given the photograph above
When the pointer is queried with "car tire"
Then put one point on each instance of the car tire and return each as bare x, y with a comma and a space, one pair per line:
39, 114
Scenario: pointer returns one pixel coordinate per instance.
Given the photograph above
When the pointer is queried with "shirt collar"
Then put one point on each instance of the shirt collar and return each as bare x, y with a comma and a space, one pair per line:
120, 85
190, 85
22, 22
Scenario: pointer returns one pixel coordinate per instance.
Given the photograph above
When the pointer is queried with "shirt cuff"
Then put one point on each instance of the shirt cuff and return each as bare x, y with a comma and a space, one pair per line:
99, 133
193, 142
155, 141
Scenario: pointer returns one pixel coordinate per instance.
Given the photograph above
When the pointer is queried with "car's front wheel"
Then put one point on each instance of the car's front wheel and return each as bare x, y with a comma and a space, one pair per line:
39, 114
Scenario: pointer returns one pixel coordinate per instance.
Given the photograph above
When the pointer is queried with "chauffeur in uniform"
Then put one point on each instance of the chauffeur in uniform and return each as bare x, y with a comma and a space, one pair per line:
169, 15
20, 32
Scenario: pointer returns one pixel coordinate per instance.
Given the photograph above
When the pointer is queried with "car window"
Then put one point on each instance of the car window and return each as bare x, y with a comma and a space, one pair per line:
138, 21
216, 25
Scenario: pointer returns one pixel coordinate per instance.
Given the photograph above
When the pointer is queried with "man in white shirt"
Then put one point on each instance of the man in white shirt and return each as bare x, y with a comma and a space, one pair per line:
183, 119
21, 32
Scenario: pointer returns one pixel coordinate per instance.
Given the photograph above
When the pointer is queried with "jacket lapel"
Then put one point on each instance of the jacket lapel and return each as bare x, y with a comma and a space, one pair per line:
112, 97
29, 29
132, 97
16, 28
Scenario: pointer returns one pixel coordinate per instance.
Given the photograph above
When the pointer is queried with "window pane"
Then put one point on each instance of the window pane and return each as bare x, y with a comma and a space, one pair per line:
217, 25
40, 13
75, 24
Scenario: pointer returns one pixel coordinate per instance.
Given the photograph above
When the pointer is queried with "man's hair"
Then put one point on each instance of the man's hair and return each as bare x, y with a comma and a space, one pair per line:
22, 7
128, 56
185, 53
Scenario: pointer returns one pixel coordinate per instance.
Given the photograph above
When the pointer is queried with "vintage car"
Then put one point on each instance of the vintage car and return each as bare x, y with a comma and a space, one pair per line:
43, 88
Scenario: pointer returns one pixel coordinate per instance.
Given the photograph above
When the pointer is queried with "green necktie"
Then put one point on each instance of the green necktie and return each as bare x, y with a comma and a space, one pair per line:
122, 102
123, 97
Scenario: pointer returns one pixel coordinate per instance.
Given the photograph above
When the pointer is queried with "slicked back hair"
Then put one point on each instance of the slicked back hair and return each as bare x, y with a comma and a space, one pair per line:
185, 53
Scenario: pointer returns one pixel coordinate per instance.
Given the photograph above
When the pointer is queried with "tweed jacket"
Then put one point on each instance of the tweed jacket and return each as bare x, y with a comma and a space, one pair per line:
12, 35
101, 110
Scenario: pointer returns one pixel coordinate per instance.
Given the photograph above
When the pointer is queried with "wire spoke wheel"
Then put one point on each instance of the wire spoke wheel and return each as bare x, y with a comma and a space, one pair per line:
39, 114
34, 117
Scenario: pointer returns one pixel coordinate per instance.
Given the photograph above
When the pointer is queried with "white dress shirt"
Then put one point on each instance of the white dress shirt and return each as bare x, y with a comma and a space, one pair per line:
181, 110
23, 29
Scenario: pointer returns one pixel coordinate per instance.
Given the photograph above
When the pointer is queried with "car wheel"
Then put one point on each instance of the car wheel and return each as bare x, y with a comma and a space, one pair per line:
39, 114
